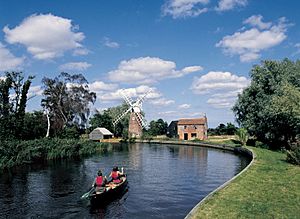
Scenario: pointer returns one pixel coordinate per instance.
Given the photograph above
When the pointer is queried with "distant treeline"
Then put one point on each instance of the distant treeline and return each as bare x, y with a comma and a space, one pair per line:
228, 129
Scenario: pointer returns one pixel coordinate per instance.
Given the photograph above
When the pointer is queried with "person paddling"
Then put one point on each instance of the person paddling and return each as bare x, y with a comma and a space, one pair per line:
116, 175
100, 181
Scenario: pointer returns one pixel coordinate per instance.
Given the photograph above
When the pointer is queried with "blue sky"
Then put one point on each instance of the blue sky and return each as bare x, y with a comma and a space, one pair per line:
196, 55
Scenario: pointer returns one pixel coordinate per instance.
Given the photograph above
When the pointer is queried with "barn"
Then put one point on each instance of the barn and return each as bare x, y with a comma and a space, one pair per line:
100, 133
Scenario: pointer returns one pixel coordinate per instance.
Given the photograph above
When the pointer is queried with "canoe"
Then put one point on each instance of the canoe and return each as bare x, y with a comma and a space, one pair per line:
108, 193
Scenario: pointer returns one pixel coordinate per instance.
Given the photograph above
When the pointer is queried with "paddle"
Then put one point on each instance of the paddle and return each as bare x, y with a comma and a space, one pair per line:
87, 194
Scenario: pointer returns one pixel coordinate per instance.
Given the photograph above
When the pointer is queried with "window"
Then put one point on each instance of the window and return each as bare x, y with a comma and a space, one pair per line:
185, 127
194, 135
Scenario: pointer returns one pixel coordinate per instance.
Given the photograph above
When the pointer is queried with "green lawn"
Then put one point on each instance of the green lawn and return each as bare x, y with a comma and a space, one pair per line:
270, 188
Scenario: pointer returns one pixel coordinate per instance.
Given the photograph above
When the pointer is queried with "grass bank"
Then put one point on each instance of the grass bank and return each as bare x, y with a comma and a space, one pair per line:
14, 153
270, 188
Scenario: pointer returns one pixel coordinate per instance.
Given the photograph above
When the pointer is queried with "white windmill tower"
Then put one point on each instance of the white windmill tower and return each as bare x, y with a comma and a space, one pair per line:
137, 121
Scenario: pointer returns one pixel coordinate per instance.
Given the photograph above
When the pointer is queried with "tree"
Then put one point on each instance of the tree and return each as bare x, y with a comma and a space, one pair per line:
106, 118
102, 120
223, 129
66, 100
158, 127
35, 125
269, 107
13, 100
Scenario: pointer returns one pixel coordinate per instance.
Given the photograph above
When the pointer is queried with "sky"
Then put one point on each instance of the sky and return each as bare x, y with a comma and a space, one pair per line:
193, 57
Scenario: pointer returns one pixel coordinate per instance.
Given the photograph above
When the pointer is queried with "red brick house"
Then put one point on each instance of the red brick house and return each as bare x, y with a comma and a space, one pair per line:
189, 129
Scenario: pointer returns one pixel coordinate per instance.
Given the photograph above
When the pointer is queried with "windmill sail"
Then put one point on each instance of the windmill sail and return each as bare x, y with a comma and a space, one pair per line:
137, 121
121, 116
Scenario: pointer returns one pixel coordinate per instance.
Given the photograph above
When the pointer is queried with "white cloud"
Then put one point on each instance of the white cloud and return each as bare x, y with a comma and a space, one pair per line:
225, 5
162, 102
213, 81
45, 36
101, 86
81, 52
78, 66
147, 70
130, 92
297, 46
171, 112
184, 8
109, 43
35, 91
256, 20
249, 43
7, 60
222, 87
224, 100
184, 106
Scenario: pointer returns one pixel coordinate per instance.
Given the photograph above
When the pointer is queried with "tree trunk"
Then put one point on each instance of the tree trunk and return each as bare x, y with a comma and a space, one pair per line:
48, 128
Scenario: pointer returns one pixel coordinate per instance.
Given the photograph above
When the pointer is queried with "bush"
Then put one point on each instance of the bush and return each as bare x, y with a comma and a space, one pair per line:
14, 153
293, 155
242, 136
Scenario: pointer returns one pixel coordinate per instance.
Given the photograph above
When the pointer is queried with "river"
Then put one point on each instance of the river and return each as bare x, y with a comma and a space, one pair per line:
164, 181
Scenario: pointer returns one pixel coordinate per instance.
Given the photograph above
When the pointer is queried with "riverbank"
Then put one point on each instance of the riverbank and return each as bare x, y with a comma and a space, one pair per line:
13, 153
268, 189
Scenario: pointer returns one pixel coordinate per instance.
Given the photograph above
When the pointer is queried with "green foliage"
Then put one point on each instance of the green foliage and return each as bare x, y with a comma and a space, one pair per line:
13, 99
35, 125
106, 118
66, 99
102, 120
158, 127
242, 136
222, 129
146, 136
270, 107
293, 155
70, 132
14, 153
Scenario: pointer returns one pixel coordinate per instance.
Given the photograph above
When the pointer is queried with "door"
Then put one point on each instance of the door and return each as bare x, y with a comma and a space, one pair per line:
186, 136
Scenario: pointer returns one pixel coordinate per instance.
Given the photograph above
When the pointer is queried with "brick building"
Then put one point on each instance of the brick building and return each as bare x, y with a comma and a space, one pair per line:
189, 129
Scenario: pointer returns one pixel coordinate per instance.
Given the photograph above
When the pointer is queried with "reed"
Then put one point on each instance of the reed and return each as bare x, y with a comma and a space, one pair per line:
14, 153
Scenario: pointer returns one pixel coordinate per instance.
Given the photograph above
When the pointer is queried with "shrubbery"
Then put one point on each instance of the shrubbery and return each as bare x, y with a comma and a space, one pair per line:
19, 152
293, 155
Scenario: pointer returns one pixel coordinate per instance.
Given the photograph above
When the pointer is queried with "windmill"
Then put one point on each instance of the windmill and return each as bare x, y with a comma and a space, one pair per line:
137, 121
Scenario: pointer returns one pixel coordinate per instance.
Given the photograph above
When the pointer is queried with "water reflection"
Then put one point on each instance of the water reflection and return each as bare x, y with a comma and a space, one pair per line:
164, 182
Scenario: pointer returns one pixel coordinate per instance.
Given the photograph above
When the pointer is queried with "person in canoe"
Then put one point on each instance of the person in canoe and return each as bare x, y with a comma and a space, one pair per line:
100, 181
116, 175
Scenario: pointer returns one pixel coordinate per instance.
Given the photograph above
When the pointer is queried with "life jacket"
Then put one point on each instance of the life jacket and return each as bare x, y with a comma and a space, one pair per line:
114, 175
99, 181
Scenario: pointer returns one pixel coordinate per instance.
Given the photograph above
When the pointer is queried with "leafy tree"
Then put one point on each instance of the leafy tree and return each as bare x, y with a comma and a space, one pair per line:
35, 125
223, 129
66, 101
106, 119
269, 107
230, 129
158, 127
102, 120
13, 99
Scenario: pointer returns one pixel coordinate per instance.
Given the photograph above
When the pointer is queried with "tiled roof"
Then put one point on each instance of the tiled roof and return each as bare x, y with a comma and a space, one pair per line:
199, 121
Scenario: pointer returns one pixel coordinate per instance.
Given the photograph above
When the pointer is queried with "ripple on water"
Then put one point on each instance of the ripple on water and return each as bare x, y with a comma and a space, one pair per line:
164, 182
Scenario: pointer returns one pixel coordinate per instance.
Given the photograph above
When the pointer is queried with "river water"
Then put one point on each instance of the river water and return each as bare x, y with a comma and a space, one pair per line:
164, 181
